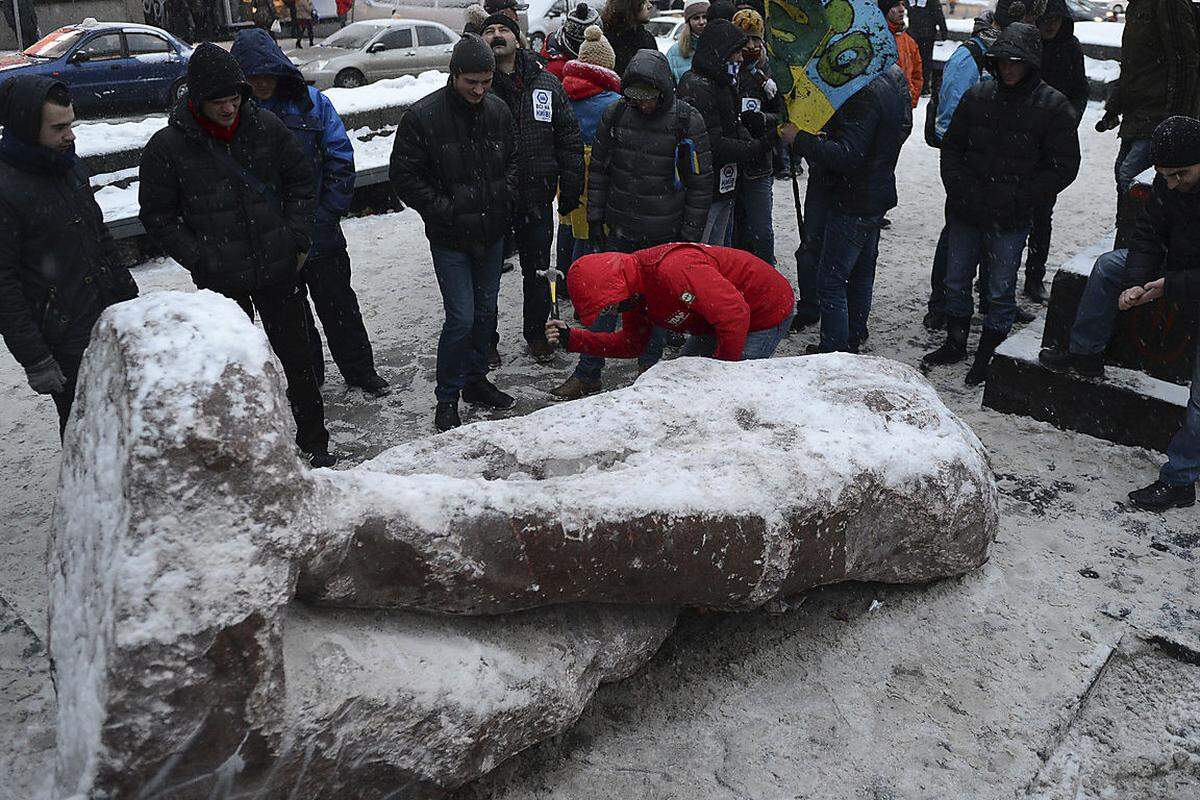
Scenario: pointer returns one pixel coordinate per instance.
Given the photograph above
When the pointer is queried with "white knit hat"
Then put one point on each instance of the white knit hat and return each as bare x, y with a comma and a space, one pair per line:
693, 7
596, 49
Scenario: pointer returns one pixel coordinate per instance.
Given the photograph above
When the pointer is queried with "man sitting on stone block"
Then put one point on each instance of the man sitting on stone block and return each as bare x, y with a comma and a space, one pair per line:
735, 305
1165, 243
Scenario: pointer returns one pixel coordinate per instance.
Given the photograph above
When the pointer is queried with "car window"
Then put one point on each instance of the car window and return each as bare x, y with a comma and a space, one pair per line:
352, 37
660, 28
104, 47
397, 40
56, 44
427, 36
143, 43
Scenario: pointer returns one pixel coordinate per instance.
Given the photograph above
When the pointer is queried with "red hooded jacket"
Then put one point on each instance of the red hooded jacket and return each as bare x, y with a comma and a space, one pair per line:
689, 288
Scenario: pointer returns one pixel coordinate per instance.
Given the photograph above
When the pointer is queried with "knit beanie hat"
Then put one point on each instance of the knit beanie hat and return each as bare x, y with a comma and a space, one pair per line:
596, 49
471, 54
475, 17
1176, 142
506, 21
886, 5
212, 72
575, 26
694, 8
720, 9
749, 22
1010, 11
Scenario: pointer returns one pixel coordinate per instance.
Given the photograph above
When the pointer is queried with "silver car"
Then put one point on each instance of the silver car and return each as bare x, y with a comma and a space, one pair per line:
371, 50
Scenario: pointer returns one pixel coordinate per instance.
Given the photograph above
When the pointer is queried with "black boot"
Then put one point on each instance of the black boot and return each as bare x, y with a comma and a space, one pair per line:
1024, 317
322, 458
802, 320
954, 349
374, 385
446, 416
989, 340
1034, 289
484, 393
934, 320
1160, 496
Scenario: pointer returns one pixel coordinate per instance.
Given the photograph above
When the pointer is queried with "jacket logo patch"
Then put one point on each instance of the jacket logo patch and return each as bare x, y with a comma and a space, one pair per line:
677, 318
687, 298
543, 105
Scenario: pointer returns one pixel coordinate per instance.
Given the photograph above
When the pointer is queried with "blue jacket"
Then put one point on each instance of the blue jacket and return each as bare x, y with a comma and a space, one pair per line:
589, 110
960, 74
679, 64
855, 161
315, 123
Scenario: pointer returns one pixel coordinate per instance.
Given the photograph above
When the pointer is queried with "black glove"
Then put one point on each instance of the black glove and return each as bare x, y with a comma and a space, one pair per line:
1110, 120
46, 377
597, 237
755, 122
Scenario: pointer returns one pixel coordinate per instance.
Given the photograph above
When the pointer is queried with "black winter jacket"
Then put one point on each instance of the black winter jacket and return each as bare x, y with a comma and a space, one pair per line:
926, 23
1062, 60
58, 266
855, 161
1160, 66
628, 41
456, 164
549, 152
751, 81
1009, 151
1166, 241
651, 175
230, 235
709, 87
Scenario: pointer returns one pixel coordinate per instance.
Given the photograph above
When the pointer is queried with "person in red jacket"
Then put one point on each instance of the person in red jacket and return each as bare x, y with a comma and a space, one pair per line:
735, 305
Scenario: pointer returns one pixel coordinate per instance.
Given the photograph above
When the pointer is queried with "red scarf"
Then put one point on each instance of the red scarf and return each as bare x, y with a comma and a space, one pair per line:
213, 129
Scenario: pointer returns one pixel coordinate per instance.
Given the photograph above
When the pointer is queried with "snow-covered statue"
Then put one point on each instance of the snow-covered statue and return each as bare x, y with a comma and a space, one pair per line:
226, 621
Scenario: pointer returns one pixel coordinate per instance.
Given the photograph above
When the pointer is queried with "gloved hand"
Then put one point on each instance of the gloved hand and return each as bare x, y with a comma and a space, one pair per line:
46, 377
1110, 120
558, 332
771, 88
755, 122
597, 237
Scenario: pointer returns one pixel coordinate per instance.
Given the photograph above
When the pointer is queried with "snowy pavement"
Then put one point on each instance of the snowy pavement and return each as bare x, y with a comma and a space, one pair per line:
945, 691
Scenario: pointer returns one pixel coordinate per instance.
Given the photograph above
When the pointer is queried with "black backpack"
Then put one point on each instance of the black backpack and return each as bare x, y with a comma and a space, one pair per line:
931, 110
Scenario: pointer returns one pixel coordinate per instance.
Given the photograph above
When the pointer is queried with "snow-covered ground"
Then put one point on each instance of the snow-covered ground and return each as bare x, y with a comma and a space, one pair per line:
944, 691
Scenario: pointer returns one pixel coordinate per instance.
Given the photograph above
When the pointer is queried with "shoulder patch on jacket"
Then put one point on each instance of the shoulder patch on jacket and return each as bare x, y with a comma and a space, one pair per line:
687, 298
543, 105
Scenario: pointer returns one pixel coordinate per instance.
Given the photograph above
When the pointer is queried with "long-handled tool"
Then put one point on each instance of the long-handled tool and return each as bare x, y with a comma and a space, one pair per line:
551, 274
791, 153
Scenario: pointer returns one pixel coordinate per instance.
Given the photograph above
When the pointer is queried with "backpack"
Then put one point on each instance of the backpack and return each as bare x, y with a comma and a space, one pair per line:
975, 48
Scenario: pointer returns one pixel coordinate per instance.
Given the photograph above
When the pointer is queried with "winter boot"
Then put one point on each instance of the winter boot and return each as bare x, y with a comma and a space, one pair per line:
1034, 289
1056, 358
484, 393
446, 416
322, 458
374, 385
1089, 366
573, 389
954, 349
1160, 496
935, 320
803, 320
989, 340
1024, 317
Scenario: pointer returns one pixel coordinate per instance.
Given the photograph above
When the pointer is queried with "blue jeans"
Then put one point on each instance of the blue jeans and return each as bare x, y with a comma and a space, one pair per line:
755, 232
846, 277
967, 246
808, 255
470, 285
589, 367
937, 278
1098, 307
1183, 453
720, 217
1132, 160
759, 344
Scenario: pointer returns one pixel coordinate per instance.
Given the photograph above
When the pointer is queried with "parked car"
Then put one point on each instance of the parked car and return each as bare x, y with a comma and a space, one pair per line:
368, 51
108, 65
665, 29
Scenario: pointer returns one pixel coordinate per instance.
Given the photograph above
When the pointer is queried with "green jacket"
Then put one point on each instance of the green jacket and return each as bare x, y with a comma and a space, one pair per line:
1160, 66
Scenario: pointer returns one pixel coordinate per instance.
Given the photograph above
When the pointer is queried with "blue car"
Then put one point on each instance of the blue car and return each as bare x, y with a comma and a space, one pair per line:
108, 65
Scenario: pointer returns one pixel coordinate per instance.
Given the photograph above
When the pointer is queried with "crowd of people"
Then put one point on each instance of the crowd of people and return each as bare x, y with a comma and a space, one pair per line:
655, 170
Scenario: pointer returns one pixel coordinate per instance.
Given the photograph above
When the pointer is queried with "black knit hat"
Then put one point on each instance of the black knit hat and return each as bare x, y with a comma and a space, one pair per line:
471, 54
886, 5
506, 21
721, 9
1176, 142
212, 72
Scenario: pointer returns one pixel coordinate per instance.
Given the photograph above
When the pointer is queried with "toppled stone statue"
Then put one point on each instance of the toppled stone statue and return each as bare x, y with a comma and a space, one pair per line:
223, 619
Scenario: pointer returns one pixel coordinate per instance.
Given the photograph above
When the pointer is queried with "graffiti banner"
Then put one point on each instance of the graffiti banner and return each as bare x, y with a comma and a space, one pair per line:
823, 51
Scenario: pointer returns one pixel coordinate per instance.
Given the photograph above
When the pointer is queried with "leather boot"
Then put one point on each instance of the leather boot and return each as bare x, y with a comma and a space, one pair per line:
954, 349
989, 340
574, 389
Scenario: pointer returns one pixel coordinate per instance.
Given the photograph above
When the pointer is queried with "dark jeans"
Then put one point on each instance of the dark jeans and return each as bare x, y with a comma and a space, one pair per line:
303, 25
968, 245
1132, 160
533, 240
1097, 309
937, 279
808, 255
328, 278
753, 227
284, 313
846, 277
1183, 453
925, 47
564, 247
1039, 243
470, 284
69, 359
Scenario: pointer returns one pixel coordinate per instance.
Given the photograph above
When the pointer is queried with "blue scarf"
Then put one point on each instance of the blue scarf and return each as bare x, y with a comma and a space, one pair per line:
35, 158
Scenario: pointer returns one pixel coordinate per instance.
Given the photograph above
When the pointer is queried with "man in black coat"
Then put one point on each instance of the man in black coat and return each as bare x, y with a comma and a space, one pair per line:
711, 87
1162, 261
1062, 69
549, 160
227, 191
454, 161
926, 24
1011, 147
58, 266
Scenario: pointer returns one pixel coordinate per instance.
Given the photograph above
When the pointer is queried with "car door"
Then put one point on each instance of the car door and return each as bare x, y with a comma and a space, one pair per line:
97, 70
155, 67
434, 47
393, 53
